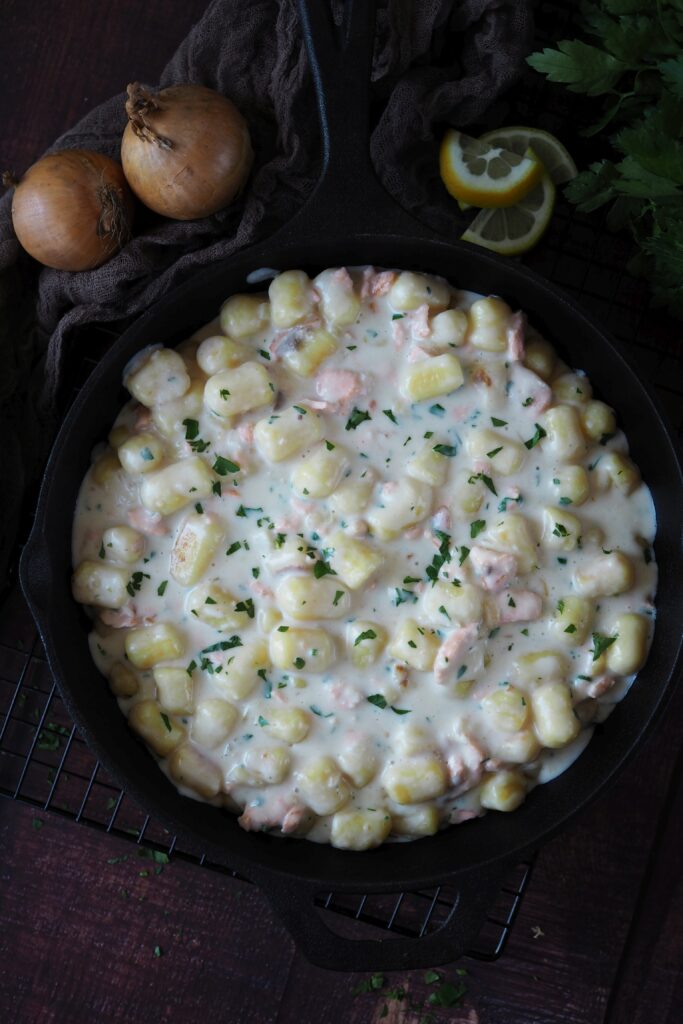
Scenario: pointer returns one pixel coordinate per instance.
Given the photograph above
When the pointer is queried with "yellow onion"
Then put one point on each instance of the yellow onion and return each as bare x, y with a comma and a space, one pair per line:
72, 210
186, 151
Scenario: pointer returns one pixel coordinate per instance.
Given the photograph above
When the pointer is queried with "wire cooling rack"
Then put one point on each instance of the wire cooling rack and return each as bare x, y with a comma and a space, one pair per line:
43, 760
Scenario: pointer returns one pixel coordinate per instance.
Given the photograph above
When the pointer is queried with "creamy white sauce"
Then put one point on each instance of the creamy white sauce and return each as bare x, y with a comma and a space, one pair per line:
412, 717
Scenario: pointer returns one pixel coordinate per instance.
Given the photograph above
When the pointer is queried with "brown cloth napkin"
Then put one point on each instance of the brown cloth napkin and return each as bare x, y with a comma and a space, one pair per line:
436, 62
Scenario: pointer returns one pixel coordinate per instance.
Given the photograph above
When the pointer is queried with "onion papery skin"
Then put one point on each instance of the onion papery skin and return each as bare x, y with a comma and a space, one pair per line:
186, 151
73, 210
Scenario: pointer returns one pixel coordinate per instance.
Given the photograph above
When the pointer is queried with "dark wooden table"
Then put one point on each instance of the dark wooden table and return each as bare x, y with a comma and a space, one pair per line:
86, 936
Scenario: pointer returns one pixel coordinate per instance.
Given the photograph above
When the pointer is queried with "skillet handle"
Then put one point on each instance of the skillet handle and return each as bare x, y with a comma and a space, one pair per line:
348, 192
293, 902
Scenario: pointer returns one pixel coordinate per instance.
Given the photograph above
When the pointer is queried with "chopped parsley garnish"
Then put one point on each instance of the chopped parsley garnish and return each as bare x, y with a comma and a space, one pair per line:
246, 606
243, 511
449, 450
101, 551
329, 446
300, 409
400, 711
146, 454
299, 663
560, 606
224, 393
527, 401
266, 355
262, 721
488, 482
494, 451
199, 508
217, 488
235, 546
402, 596
571, 628
464, 552
166, 720
444, 555
161, 589
397, 316
378, 700
222, 645
560, 530
538, 434
437, 410
476, 527
498, 423
316, 711
323, 568
390, 415
282, 629
357, 417
411, 579
191, 436
444, 611
600, 644
566, 501
338, 594
135, 582
562, 561
224, 466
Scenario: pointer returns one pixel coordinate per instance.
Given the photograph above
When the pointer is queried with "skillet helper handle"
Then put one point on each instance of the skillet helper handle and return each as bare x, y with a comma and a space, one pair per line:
35, 569
340, 58
293, 902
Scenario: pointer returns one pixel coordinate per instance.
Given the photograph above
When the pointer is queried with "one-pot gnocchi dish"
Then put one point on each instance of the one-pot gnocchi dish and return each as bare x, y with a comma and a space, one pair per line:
364, 558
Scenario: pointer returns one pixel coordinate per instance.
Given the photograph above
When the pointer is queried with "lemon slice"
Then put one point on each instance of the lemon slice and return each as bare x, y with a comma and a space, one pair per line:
515, 229
480, 174
549, 150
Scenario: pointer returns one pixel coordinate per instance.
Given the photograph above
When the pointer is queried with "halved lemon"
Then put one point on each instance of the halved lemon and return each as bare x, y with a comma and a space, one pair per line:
515, 229
482, 174
549, 150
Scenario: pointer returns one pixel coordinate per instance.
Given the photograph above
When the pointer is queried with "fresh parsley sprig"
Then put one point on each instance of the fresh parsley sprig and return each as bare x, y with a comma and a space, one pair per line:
635, 62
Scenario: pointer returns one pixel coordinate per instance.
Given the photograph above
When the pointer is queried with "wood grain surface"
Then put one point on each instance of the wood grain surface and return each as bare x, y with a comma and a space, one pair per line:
88, 933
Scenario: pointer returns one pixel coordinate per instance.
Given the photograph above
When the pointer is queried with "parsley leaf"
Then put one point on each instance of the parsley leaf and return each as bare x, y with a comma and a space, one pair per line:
580, 66
224, 466
538, 434
449, 450
476, 527
357, 417
600, 644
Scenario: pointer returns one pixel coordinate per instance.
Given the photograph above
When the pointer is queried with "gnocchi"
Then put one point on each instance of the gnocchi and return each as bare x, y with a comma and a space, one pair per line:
356, 553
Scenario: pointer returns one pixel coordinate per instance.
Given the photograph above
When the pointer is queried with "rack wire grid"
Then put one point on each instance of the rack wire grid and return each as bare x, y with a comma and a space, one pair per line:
43, 760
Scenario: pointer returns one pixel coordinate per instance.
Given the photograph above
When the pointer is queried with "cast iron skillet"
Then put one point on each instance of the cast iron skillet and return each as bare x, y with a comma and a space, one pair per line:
350, 220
